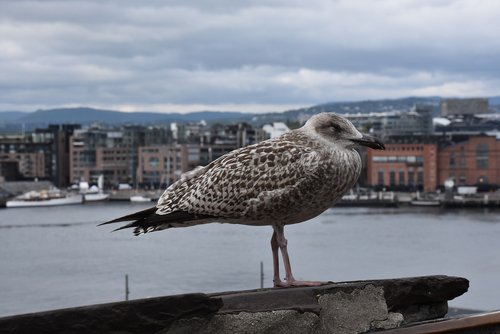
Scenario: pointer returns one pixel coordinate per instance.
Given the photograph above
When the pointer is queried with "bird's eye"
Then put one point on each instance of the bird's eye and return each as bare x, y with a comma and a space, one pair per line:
336, 127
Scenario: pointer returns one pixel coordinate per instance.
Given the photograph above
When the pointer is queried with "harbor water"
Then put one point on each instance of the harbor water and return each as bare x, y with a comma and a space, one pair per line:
57, 257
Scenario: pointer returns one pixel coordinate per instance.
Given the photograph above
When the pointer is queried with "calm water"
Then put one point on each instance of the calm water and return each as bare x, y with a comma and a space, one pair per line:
57, 257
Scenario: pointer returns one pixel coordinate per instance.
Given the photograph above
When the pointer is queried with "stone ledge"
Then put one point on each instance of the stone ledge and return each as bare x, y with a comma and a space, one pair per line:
484, 323
347, 307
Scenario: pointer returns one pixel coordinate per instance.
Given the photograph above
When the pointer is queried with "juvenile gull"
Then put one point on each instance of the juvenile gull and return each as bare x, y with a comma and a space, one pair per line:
277, 182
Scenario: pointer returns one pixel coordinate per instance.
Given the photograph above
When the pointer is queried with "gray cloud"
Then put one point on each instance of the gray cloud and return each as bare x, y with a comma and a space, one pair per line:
163, 55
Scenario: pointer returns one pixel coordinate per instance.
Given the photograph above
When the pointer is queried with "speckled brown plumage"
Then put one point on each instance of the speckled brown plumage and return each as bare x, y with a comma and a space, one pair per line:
281, 181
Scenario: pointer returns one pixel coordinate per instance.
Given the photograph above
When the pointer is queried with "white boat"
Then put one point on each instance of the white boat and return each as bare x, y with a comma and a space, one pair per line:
423, 202
139, 199
93, 193
426, 200
94, 197
50, 197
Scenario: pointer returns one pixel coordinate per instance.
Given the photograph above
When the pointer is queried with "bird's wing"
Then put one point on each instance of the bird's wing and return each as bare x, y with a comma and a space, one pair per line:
258, 184
251, 180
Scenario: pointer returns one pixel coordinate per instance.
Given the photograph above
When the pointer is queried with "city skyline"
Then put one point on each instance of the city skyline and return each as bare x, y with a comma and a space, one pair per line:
420, 153
250, 56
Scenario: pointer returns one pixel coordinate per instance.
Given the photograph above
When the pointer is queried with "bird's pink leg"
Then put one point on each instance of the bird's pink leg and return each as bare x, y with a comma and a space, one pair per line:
278, 240
276, 261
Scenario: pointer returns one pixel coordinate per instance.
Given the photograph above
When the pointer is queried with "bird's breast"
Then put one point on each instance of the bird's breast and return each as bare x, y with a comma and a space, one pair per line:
330, 178
339, 172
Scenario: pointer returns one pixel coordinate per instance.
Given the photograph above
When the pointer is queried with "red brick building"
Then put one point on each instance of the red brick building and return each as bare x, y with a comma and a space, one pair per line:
475, 161
403, 167
472, 162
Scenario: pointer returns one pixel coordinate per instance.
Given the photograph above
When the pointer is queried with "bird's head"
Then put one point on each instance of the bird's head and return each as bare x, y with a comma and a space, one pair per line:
339, 131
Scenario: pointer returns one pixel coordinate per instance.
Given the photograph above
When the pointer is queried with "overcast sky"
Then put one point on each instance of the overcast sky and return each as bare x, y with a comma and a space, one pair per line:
243, 55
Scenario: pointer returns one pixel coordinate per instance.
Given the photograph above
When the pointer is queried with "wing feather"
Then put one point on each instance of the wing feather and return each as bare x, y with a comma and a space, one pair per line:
244, 181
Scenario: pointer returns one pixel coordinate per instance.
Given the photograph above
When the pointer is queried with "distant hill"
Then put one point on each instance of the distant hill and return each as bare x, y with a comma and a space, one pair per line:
15, 121
89, 115
381, 105
367, 106
9, 116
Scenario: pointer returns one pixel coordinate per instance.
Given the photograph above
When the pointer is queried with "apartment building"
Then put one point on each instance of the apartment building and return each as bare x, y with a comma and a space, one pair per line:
22, 166
112, 152
89, 165
23, 158
160, 166
97, 151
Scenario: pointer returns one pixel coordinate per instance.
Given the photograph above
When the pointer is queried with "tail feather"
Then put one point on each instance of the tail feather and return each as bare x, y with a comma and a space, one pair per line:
148, 221
134, 216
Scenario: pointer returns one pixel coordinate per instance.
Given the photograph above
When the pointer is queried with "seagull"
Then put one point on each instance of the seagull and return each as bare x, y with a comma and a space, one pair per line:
281, 181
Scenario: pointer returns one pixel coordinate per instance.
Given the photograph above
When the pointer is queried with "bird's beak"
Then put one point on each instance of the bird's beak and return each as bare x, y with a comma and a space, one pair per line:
369, 141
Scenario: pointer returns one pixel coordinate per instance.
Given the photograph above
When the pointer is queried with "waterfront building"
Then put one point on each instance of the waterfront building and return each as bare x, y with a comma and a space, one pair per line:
57, 137
405, 167
468, 160
22, 166
111, 152
472, 161
192, 145
37, 155
161, 165
235, 135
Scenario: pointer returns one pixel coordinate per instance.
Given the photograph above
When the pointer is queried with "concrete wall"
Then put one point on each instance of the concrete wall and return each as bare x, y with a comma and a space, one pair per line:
349, 307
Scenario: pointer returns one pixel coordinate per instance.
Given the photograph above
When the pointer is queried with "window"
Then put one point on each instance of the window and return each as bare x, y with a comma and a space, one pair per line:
452, 160
379, 159
193, 153
392, 177
154, 162
420, 177
482, 156
380, 177
401, 177
411, 177
462, 157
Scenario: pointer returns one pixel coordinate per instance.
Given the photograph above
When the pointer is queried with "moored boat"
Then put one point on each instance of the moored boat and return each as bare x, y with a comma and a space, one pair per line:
423, 202
51, 197
95, 197
426, 199
93, 193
